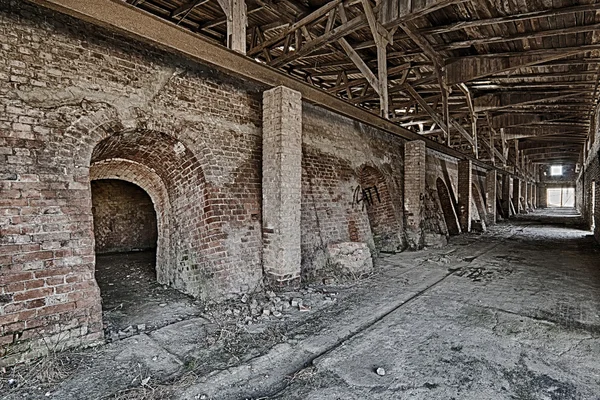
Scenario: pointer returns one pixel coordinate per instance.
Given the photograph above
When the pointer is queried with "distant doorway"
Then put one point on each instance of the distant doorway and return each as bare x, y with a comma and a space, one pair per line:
561, 197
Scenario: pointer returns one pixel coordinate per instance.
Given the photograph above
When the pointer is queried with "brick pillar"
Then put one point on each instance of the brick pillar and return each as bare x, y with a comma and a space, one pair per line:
281, 185
530, 196
506, 194
490, 195
414, 191
535, 196
517, 195
465, 194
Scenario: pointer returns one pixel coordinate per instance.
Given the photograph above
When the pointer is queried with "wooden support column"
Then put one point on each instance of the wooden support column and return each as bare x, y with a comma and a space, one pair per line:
465, 194
237, 20
382, 71
382, 38
506, 192
516, 195
491, 178
446, 111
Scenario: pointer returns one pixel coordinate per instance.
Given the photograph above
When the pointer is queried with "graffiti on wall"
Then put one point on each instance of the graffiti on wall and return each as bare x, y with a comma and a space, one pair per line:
366, 196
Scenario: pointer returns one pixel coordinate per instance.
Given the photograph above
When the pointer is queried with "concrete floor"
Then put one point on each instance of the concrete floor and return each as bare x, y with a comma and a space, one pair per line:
510, 314
521, 321
132, 299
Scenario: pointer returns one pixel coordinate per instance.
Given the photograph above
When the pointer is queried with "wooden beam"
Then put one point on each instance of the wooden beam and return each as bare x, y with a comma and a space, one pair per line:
237, 20
187, 7
552, 13
519, 36
361, 65
382, 39
236, 26
467, 69
327, 38
438, 119
500, 101
295, 26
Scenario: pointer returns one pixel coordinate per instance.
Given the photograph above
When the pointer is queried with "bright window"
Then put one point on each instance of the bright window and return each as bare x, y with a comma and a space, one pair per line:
556, 170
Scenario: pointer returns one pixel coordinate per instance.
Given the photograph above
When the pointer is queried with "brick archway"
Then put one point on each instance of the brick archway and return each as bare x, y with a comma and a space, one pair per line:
188, 227
377, 201
447, 207
151, 183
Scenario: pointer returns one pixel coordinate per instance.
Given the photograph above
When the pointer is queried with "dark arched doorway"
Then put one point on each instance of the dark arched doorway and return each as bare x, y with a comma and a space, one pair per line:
146, 187
447, 207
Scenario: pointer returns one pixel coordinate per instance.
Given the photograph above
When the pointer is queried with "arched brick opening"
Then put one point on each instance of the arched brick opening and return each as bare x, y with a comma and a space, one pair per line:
124, 217
172, 175
151, 183
376, 199
447, 207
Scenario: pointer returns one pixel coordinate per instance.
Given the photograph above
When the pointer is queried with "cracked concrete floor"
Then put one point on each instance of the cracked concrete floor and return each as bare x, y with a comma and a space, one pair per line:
520, 321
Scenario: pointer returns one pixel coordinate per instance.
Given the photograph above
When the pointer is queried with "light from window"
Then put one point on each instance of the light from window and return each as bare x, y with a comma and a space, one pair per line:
556, 170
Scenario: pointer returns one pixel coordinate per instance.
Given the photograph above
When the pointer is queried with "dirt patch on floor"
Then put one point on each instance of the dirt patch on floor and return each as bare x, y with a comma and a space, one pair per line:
133, 301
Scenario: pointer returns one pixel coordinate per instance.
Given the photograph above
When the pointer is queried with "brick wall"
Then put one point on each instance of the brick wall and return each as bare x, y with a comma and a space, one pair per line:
72, 95
339, 156
124, 217
588, 184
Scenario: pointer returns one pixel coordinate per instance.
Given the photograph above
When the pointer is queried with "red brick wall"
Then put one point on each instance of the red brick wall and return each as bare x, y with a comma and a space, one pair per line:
124, 217
72, 95
335, 152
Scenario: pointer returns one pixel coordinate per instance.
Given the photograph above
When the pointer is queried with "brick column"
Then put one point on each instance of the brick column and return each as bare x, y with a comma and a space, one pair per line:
491, 178
281, 185
465, 194
506, 194
535, 196
517, 195
414, 191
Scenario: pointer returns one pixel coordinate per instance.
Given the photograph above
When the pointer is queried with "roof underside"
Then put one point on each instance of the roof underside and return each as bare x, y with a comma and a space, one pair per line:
512, 81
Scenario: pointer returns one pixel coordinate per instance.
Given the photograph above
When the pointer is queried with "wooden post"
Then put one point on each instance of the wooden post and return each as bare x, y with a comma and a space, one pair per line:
237, 19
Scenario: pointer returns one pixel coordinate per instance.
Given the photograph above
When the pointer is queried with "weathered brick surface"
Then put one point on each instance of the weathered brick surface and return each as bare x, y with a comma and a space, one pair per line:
72, 95
339, 159
374, 196
414, 191
281, 185
441, 200
587, 184
124, 217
